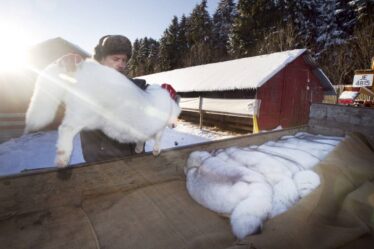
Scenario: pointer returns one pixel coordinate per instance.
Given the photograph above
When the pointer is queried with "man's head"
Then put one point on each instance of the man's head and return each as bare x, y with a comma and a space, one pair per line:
113, 51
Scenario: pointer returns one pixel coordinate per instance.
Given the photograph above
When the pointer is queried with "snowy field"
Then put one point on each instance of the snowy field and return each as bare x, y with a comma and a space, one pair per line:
37, 150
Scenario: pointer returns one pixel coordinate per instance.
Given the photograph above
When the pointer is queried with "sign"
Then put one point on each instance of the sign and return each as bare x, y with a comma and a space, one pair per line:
360, 80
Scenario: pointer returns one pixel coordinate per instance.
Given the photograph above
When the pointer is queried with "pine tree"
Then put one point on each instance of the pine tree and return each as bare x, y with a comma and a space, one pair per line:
223, 19
133, 63
142, 56
169, 46
245, 30
182, 44
321, 24
337, 32
199, 35
345, 17
152, 59
303, 15
163, 55
144, 59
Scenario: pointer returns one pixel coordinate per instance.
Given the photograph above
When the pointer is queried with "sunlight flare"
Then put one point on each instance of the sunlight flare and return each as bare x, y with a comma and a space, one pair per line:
13, 47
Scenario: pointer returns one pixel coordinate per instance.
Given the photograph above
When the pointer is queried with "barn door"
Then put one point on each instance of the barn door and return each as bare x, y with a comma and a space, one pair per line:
295, 98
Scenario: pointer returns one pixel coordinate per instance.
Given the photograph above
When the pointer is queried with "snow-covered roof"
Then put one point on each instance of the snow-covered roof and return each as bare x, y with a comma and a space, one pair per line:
245, 73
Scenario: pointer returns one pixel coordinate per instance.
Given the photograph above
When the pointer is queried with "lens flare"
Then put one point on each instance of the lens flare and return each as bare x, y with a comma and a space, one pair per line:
13, 47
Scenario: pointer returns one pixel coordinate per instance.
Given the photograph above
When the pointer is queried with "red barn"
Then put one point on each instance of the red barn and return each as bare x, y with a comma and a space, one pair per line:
284, 83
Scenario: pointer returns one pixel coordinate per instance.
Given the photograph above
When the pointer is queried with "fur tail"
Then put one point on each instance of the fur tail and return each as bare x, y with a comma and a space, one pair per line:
47, 96
249, 214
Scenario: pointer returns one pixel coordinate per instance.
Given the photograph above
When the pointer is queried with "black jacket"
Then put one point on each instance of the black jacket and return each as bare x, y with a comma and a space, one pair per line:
96, 146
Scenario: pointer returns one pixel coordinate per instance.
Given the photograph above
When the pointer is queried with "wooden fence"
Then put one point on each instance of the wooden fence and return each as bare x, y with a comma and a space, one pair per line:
12, 125
220, 120
228, 114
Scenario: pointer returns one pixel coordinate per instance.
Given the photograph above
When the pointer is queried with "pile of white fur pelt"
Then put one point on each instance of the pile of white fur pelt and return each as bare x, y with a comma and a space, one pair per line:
252, 184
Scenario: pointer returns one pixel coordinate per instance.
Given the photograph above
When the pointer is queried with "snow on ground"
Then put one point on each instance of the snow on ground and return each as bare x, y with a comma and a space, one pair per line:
37, 150
32, 151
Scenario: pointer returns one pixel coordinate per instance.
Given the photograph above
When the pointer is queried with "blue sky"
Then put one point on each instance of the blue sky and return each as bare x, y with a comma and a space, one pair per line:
83, 22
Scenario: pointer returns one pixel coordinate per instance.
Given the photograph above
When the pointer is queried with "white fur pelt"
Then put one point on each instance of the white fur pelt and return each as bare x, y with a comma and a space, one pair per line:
227, 182
99, 97
231, 191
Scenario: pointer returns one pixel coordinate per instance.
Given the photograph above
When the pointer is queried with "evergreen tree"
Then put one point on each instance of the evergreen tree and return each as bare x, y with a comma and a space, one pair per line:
152, 59
199, 35
242, 38
169, 46
163, 55
337, 31
182, 44
345, 16
320, 24
133, 63
144, 59
142, 56
223, 19
302, 14
339, 62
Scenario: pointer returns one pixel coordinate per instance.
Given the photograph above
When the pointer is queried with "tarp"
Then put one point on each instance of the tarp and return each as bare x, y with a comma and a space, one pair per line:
162, 215
338, 214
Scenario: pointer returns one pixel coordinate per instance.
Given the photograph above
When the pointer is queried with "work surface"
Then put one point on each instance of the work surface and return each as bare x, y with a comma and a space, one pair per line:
159, 213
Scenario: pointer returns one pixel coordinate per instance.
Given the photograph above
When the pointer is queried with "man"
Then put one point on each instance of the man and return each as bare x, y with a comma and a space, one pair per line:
113, 51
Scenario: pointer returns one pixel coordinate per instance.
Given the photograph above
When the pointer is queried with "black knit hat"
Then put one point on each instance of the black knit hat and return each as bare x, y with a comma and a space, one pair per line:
112, 44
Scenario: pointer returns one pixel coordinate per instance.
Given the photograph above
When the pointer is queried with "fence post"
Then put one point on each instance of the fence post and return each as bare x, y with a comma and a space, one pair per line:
201, 112
256, 113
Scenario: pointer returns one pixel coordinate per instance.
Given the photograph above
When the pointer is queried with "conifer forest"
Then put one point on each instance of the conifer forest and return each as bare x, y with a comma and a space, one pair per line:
338, 33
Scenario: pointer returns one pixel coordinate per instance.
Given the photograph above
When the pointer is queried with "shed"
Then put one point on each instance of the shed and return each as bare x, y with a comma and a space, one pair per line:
284, 83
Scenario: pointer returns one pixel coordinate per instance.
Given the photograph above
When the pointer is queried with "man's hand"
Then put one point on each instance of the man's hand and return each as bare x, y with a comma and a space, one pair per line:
70, 62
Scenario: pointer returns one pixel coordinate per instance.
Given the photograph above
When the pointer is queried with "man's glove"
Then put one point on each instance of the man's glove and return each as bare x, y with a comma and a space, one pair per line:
171, 90
70, 61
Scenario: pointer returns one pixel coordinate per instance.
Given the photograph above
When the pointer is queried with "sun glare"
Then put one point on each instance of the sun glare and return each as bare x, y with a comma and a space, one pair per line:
13, 47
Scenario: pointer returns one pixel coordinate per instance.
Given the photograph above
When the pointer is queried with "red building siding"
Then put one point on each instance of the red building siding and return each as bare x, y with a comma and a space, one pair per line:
287, 96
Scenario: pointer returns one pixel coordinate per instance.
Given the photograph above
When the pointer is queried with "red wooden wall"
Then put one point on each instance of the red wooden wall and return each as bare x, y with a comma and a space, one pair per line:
287, 96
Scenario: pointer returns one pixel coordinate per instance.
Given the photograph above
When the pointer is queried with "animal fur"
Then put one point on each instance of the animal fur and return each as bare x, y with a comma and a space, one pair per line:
99, 97
231, 191
228, 183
